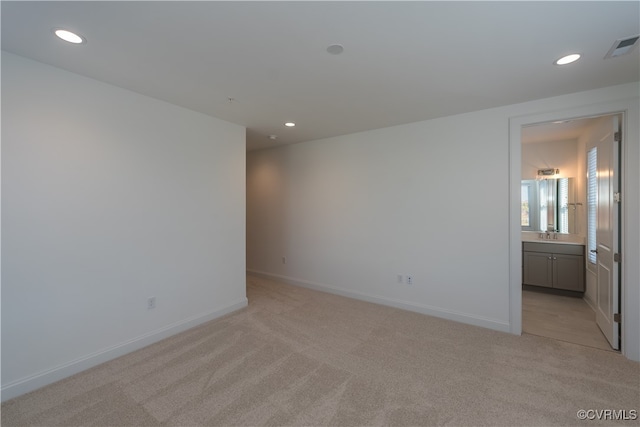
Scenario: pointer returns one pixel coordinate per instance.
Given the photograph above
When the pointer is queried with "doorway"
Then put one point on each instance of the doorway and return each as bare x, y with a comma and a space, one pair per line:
629, 288
558, 230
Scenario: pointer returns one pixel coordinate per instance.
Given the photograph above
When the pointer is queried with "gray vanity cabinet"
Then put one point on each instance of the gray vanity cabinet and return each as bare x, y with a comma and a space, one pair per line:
552, 265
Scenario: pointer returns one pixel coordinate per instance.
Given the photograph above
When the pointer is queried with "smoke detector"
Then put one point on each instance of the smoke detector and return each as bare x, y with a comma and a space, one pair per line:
622, 47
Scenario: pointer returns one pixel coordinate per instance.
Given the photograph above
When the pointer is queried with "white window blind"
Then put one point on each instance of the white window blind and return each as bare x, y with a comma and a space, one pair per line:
592, 203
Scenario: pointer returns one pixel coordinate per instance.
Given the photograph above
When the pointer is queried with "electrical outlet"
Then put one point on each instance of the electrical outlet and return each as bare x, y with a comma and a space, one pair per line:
151, 303
284, 259
409, 279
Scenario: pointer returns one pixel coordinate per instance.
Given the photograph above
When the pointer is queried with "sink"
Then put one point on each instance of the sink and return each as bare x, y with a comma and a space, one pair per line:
563, 239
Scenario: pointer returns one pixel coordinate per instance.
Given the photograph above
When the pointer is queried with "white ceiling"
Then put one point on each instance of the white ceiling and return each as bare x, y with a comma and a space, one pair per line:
402, 61
557, 131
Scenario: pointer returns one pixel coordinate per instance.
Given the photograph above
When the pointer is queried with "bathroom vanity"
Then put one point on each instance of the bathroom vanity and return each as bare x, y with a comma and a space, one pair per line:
554, 264
553, 253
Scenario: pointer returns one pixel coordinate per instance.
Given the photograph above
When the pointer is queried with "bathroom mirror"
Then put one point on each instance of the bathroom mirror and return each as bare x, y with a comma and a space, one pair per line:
549, 205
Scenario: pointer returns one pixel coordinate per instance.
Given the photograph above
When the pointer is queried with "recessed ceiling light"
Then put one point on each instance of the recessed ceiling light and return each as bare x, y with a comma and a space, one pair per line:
68, 36
568, 59
289, 124
273, 137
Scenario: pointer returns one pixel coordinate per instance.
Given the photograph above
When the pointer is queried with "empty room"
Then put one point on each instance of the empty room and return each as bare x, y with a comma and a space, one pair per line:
320, 213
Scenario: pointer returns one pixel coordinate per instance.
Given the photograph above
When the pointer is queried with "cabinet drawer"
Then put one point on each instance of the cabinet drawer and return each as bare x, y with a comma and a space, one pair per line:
553, 248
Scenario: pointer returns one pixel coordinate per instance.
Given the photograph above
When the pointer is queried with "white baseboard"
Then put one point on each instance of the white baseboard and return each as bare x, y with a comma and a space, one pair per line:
590, 303
41, 379
404, 305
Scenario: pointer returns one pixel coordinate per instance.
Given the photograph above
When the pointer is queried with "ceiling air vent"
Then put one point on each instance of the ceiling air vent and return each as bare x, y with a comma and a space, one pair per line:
622, 47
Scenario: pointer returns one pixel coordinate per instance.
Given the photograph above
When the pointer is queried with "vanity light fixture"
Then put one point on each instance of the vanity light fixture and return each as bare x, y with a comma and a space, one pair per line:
69, 36
568, 59
547, 173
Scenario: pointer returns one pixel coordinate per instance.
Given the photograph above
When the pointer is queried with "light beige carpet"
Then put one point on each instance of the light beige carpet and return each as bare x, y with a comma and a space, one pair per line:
297, 357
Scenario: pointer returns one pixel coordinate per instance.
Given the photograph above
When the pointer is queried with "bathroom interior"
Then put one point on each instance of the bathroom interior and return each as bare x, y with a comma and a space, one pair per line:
558, 289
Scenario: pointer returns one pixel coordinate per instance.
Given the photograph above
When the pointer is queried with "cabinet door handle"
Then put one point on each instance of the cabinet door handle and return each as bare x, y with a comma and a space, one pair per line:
555, 258
549, 258
595, 251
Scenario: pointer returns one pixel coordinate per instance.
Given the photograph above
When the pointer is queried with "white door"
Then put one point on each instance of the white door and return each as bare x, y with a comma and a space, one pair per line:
606, 231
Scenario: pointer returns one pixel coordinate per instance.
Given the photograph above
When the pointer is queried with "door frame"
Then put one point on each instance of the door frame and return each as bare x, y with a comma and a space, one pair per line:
630, 230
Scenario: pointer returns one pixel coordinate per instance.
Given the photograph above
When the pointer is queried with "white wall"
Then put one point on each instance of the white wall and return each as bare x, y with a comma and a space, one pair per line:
560, 155
108, 198
354, 211
565, 156
435, 199
569, 157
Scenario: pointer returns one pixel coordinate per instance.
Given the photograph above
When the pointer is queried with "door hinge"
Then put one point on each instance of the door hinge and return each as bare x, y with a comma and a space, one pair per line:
616, 318
617, 137
617, 197
617, 257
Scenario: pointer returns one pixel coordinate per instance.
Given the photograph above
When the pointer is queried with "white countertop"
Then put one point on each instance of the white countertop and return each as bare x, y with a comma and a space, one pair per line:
563, 239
